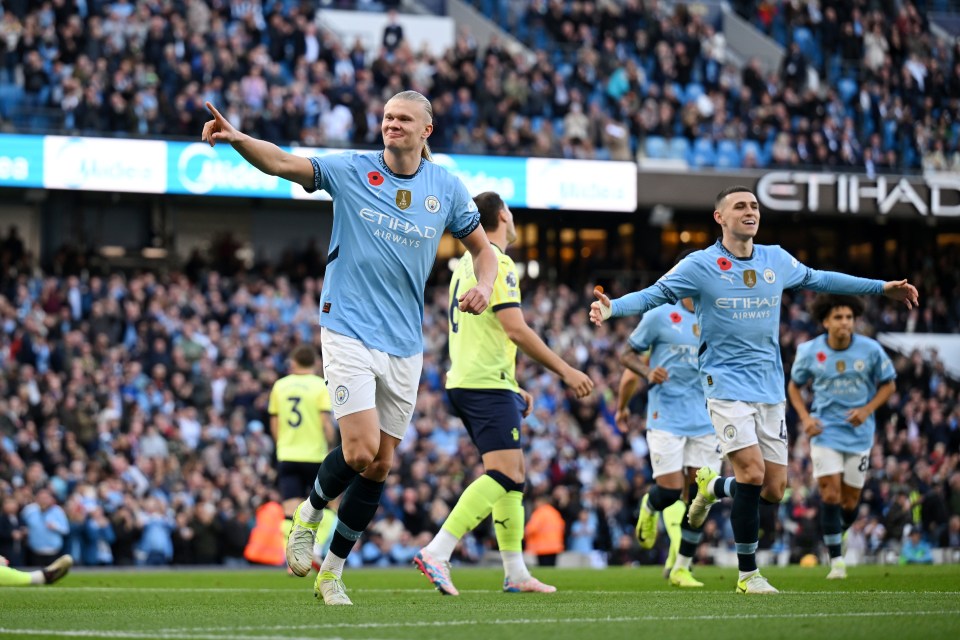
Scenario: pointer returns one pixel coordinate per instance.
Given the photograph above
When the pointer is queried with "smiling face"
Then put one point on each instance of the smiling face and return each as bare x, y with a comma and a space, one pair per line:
405, 127
739, 215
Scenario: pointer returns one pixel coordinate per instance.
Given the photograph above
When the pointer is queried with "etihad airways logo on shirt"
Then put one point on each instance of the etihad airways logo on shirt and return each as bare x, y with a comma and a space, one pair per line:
749, 308
396, 229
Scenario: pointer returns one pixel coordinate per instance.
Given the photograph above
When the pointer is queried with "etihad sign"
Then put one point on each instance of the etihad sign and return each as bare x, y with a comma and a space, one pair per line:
933, 194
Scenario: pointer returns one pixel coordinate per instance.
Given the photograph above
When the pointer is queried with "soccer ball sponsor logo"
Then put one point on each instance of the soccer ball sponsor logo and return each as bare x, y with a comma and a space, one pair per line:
769, 276
729, 432
432, 204
341, 395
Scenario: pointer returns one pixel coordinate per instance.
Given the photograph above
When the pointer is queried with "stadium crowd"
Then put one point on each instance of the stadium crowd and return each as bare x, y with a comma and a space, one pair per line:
133, 406
608, 80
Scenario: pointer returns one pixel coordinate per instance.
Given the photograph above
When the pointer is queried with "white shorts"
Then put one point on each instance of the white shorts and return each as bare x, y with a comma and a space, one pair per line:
361, 378
670, 453
851, 466
743, 424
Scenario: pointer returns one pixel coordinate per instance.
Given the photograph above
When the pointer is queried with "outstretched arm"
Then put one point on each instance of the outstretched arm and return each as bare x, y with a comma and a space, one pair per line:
631, 304
265, 156
833, 282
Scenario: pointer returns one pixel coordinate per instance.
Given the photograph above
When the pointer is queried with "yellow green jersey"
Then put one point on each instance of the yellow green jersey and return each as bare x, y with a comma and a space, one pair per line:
298, 401
481, 354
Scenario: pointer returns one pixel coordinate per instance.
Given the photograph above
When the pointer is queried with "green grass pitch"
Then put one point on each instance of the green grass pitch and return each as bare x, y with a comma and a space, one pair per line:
875, 602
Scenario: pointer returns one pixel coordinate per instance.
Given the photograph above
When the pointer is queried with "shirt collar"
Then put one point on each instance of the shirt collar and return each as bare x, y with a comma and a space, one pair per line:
401, 176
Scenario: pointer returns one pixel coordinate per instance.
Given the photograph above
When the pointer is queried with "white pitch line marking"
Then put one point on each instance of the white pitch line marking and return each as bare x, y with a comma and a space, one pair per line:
623, 619
427, 590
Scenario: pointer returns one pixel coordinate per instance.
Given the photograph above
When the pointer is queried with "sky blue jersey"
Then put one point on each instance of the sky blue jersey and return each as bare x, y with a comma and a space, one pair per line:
842, 380
676, 406
737, 301
386, 229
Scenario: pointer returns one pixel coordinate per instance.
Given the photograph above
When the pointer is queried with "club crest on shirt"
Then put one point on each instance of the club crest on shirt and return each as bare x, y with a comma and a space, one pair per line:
841, 366
404, 198
750, 277
769, 276
859, 365
432, 204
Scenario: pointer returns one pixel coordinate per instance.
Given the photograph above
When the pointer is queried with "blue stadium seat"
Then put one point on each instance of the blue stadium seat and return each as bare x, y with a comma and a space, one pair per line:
728, 155
753, 147
808, 45
655, 147
693, 91
679, 148
702, 154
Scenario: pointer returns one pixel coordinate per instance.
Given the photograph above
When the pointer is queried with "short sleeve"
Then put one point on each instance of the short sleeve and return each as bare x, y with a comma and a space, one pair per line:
883, 370
800, 373
329, 171
506, 288
462, 217
644, 335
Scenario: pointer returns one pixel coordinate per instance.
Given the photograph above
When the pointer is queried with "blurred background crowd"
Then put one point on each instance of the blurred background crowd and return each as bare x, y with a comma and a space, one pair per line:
865, 84
133, 413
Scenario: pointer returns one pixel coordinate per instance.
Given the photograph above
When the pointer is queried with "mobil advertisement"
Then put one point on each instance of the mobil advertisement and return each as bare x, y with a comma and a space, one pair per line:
582, 185
198, 169
104, 164
21, 161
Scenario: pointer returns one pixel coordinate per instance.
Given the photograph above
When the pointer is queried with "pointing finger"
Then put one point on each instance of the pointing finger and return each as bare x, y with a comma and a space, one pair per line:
213, 110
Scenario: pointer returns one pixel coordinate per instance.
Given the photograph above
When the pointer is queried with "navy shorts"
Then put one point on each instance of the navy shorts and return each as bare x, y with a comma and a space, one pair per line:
295, 479
492, 416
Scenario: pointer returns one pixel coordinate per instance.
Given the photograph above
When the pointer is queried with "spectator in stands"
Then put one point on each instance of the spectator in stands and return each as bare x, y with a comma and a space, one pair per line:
47, 528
